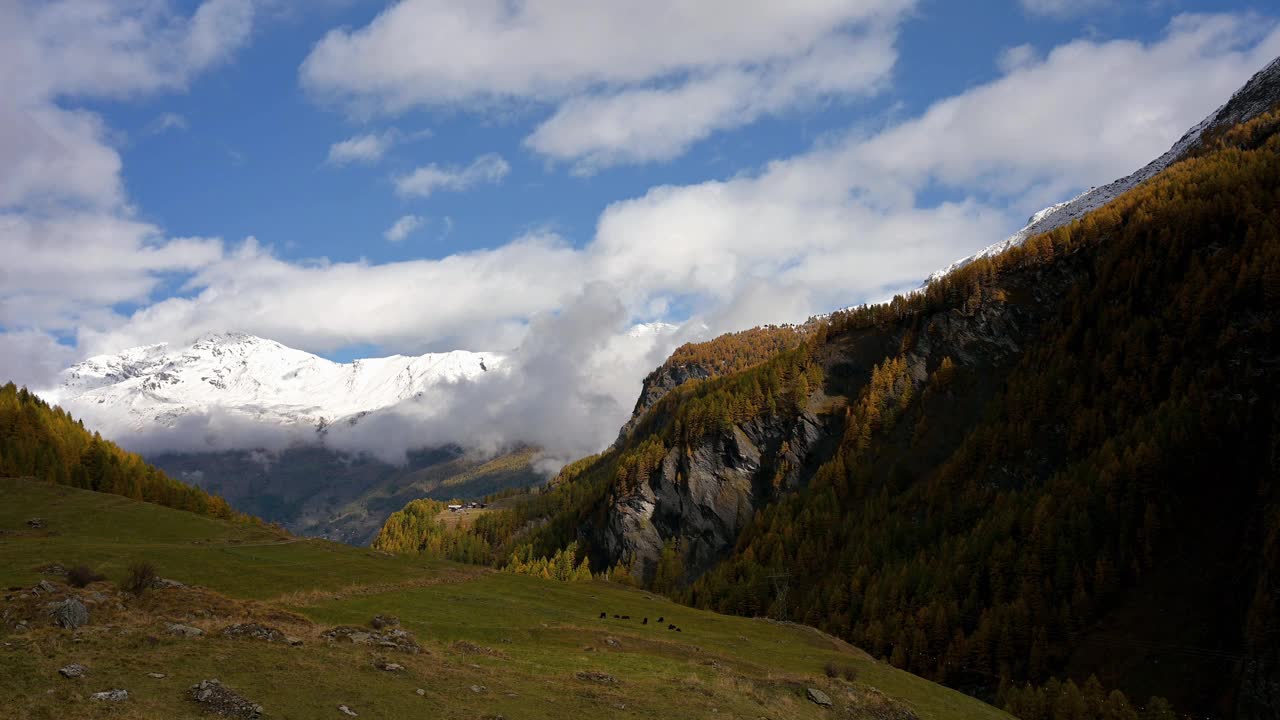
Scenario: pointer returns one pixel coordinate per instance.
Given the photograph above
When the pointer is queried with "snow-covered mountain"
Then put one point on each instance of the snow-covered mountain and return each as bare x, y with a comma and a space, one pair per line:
1253, 98
154, 387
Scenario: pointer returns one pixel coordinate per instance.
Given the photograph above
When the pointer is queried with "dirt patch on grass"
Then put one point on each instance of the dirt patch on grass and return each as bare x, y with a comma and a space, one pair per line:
445, 576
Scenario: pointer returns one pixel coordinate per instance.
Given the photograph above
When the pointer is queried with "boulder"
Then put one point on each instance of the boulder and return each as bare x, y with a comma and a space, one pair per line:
110, 696
221, 700
596, 676
70, 614
183, 630
818, 697
35, 523
389, 666
254, 631
44, 586
347, 711
73, 671
395, 639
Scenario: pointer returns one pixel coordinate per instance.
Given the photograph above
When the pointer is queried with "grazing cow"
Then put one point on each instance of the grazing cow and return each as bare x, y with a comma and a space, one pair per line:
660, 620
670, 626
615, 616
626, 617
604, 615
644, 621
679, 630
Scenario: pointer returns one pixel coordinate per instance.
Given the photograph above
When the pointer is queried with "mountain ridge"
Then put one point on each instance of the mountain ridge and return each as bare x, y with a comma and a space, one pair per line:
153, 387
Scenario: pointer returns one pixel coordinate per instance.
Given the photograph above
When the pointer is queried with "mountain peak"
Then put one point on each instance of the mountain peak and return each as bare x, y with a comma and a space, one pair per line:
242, 374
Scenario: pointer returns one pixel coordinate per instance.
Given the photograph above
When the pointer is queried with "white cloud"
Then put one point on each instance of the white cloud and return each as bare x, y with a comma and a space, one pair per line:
1017, 57
72, 249
422, 182
617, 68
167, 121
845, 222
1064, 8
660, 123
402, 228
366, 149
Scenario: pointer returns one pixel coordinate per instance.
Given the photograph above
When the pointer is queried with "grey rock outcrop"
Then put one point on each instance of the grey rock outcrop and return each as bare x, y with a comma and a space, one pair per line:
254, 631
394, 639
70, 614
818, 697
706, 495
183, 630
73, 671
115, 695
221, 700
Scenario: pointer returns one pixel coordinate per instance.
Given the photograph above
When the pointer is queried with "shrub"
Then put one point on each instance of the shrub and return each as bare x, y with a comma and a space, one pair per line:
840, 670
140, 578
82, 575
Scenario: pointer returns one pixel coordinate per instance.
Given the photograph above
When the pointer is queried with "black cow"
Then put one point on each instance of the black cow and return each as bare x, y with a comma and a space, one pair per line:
604, 615
660, 620
670, 626
644, 621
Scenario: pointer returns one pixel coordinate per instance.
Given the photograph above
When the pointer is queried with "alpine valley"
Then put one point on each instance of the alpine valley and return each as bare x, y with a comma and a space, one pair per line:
1043, 484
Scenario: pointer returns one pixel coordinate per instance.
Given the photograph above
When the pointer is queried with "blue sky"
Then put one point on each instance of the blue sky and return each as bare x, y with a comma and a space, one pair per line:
251, 157
168, 168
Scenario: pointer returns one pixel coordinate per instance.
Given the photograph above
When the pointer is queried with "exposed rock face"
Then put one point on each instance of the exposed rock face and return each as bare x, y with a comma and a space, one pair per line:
70, 614
221, 700
110, 696
658, 384
73, 671
706, 493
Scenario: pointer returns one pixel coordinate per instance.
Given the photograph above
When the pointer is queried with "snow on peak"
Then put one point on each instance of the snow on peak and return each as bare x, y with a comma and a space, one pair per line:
156, 386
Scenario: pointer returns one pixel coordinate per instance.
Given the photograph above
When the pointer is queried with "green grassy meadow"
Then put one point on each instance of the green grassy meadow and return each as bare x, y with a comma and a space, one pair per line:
494, 644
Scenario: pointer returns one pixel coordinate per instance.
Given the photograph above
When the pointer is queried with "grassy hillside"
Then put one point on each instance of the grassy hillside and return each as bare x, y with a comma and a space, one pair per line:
494, 644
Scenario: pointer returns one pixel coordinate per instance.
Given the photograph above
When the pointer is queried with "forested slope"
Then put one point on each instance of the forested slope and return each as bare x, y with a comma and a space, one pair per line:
39, 440
1059, 461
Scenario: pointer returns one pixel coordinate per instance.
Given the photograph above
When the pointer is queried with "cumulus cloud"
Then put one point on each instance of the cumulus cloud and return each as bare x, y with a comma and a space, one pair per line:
848, 221
72, 248
422, 182
402, 228
615, 69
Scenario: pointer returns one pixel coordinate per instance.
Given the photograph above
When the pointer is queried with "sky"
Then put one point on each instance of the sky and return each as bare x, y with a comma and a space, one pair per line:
355, 178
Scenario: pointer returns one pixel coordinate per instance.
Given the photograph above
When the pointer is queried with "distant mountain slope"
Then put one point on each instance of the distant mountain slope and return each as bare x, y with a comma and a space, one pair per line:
316, 491
155, 387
